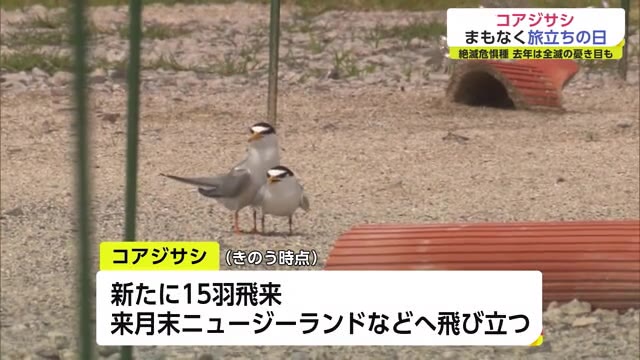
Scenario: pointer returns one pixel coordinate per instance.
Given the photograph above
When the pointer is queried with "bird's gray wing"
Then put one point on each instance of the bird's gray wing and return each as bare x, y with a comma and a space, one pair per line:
229, 185
257, 199
197, 181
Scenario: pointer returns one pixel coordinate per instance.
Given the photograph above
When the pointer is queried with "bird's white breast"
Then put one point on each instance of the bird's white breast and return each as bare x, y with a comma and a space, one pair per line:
281, 199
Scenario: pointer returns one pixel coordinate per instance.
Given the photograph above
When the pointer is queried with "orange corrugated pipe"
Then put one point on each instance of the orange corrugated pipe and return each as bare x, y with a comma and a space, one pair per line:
529, 84
593, 261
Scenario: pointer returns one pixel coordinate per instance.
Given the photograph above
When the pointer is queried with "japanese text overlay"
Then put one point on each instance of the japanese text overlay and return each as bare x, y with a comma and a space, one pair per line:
536, 33
413, 308
159, 255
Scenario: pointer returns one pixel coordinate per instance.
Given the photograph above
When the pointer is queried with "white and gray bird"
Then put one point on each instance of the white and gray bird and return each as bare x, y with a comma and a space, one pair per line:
237, 189
282, 195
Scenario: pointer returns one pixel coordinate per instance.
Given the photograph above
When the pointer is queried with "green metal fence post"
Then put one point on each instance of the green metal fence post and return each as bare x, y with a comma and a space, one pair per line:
133, 113
83, 191
274, 41
622, 63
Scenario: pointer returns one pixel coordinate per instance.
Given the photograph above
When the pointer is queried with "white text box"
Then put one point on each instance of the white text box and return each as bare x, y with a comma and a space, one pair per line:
398, 295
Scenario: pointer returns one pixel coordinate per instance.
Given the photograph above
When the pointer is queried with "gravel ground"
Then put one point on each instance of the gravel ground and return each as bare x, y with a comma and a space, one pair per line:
402, 167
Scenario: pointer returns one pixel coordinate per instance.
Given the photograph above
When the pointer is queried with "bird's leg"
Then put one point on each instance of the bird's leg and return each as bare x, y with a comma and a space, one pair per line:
290, 225
262, 222
255, 222
236, 227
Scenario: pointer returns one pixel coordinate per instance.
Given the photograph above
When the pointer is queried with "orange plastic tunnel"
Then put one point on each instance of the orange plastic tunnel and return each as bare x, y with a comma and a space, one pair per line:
519, 84
595, 261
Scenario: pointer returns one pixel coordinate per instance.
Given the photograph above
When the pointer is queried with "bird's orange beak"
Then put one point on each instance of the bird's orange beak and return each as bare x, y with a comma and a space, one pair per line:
272, 179
255, 136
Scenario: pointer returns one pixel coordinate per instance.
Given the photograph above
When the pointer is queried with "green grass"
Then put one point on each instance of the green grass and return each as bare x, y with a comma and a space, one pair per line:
374, 35
46, 22
17, 4
35, 38
301, 24
347, 65
291, 60
315, 7
230, 65
316, 46
51, 30
416, 30
26, 60
164, 62
323, 5
156, 31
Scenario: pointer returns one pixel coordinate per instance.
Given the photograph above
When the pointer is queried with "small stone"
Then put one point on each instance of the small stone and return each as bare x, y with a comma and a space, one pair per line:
585, 321
576, 307
606, 315
299, 355
187, 79
68, 355
47, 351
324, 356
38, 11
61, 78
415, 42
632, 315
61, 341
115, 356
98, 76
37, 72
59, 92
14, 85
553, 304
17, 211
553, 315
115, 54
449, 354
455, 137
110, 117
21, 77
106, 351
292, 77
439, 77
333, 74
116, 74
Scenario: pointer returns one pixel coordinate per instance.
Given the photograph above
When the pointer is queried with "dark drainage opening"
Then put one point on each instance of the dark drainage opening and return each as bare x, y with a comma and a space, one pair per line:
479, 88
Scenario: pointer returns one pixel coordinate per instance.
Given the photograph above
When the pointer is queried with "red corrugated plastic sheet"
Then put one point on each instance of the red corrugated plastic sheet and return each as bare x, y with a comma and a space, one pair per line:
595, 261
538, 82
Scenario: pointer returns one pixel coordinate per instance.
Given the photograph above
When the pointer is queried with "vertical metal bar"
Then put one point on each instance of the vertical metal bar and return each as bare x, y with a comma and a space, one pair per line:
133, 113
83, 192
622, 63
274, 41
